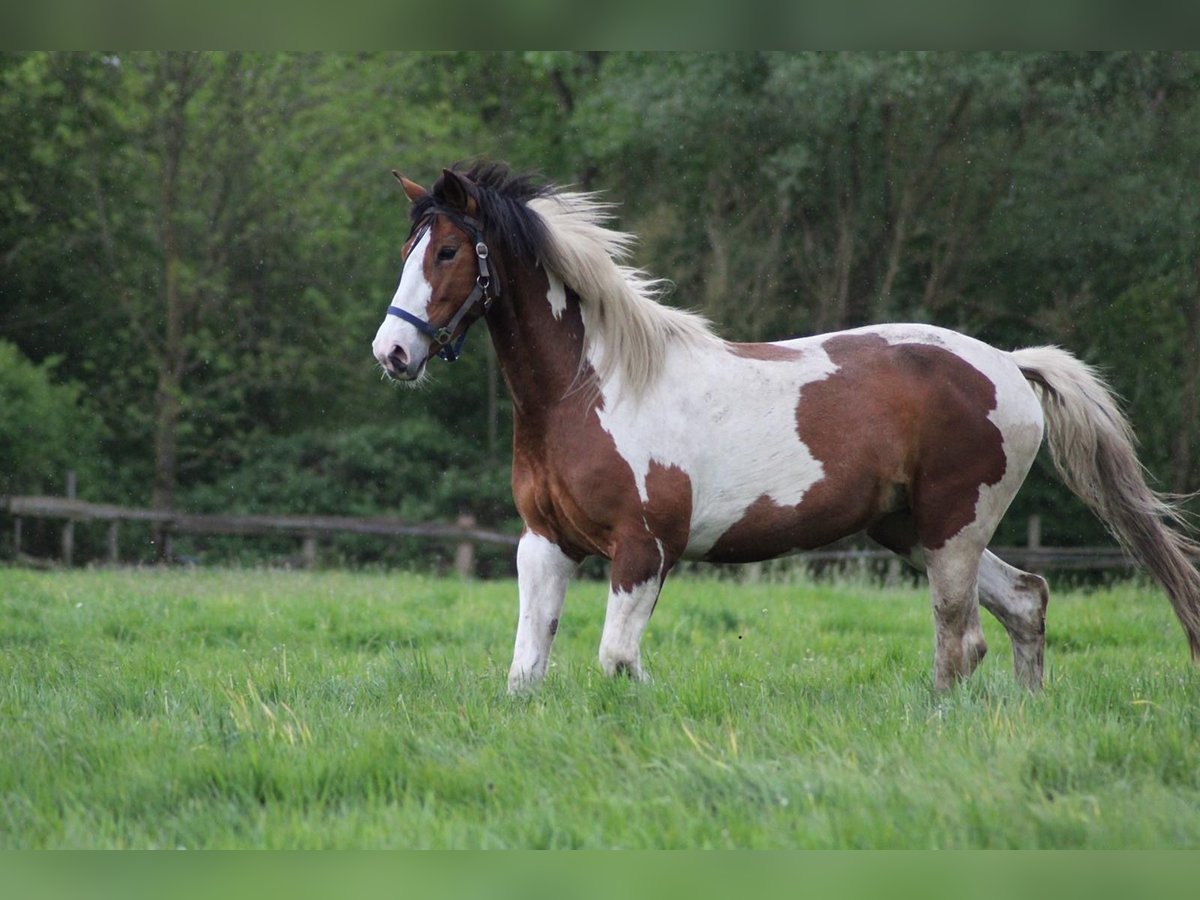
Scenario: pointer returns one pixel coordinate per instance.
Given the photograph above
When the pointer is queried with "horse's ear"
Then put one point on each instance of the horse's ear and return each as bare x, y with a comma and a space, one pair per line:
412, 190
458, 192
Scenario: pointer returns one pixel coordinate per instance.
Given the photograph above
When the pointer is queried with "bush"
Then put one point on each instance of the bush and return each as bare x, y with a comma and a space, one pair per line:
411, 470
45, 428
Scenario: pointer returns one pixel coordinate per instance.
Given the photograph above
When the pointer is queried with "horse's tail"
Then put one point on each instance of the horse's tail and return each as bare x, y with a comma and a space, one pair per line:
1092, 445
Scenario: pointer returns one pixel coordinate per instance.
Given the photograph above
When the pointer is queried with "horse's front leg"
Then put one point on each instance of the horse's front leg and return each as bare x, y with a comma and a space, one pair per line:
543, 571
638, 570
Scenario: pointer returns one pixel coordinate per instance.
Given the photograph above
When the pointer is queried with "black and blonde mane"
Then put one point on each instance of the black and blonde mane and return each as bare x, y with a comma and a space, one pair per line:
627, 329
502, 196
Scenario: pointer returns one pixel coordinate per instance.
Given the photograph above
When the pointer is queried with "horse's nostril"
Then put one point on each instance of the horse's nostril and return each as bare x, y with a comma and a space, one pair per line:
398, 359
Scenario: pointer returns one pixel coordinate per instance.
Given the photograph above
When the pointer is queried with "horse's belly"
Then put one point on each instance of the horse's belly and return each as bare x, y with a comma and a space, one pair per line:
765, 528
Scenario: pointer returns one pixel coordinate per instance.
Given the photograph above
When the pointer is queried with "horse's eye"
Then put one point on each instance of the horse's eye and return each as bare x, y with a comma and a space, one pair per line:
447, 253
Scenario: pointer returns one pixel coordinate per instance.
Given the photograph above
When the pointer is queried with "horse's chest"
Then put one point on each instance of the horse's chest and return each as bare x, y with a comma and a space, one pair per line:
573, 486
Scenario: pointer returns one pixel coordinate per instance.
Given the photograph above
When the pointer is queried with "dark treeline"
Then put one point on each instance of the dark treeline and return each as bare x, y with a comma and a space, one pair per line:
196, 249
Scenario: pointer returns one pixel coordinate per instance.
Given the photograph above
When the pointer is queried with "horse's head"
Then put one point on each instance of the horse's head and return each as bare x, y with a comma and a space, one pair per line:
445, 283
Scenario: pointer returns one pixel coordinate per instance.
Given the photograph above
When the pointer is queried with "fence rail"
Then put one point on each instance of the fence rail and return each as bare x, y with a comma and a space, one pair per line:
1032, 558
308, 528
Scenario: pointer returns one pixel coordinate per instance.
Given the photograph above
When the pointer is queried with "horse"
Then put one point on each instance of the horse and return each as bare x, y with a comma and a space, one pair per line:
641, 436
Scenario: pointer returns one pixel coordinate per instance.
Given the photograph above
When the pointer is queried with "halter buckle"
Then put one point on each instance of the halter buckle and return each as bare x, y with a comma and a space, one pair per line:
442, 336
481, 250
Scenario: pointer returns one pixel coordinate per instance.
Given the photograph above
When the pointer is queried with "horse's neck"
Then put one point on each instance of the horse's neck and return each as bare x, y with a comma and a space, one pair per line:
538, 344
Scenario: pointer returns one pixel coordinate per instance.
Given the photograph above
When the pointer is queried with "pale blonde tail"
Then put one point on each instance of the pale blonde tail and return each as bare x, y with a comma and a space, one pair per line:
1092, 445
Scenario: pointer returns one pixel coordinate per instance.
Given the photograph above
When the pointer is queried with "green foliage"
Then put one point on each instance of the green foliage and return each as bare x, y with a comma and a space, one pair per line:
413, 473
285, 710
46, 428
210, 238
409, 472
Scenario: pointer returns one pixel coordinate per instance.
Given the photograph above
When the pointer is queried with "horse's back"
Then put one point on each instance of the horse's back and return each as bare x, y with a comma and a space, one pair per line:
885, 418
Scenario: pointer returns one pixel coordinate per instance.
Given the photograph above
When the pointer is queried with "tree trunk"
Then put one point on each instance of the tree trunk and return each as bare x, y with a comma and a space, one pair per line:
175, 75
1182, 467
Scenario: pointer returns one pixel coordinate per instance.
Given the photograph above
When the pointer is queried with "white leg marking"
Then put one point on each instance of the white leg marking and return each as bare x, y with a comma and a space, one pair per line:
543, 571
625, 621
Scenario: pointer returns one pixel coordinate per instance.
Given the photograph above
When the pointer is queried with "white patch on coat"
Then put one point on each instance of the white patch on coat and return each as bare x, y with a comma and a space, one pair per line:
727, 421
413, 294
557, 295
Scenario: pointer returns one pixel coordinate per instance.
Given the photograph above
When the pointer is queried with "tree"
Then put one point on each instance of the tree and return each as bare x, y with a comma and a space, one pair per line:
45, 428
208, 241
217, 211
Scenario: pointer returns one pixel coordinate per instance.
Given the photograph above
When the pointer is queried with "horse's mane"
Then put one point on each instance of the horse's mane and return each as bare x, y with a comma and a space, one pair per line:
626, 327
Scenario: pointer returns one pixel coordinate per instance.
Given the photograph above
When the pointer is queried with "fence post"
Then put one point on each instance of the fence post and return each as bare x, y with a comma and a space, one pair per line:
68, 532
17, 536
308, 552
1034, 532
114, 533
464, 553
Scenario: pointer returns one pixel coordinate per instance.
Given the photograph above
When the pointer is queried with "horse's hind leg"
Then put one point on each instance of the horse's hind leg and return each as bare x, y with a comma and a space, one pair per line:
1018, 600
953, 575
953, 580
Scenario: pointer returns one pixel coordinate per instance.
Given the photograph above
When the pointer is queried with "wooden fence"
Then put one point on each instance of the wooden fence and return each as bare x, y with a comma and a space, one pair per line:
464, 533
308, 529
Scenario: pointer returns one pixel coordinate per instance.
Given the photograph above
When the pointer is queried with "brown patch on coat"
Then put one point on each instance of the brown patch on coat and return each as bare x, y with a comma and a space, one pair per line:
451, 281
668, 507
570, 483
896, 428
766, 530
896, 532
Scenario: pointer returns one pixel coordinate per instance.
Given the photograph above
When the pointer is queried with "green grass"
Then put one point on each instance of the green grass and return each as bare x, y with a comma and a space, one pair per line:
272, 709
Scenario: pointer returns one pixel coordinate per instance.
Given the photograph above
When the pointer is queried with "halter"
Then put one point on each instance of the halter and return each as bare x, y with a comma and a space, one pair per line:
444, 344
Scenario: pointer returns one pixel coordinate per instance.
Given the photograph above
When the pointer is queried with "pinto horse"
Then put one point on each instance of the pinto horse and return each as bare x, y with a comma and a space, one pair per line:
642, 437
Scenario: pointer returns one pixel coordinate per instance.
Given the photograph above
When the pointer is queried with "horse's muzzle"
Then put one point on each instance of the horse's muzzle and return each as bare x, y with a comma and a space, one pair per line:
396, 362
399, 365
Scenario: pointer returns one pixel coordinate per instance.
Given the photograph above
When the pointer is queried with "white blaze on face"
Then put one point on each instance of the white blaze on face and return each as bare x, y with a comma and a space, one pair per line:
412, 295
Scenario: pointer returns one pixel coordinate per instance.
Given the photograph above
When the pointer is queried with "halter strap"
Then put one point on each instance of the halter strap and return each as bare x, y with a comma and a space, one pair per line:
444, 344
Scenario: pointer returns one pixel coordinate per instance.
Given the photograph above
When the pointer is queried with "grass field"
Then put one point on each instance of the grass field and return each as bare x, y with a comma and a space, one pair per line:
273, 709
